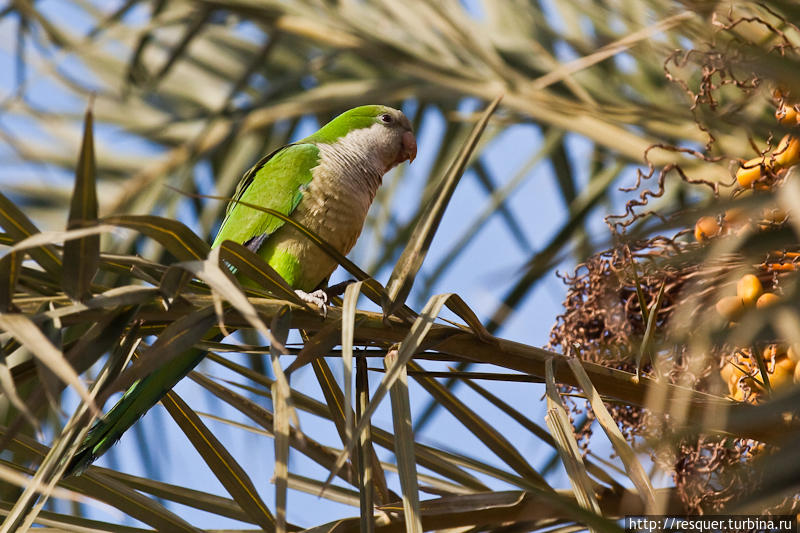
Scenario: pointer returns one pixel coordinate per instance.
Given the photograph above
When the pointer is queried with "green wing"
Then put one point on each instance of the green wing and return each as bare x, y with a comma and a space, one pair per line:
276, 182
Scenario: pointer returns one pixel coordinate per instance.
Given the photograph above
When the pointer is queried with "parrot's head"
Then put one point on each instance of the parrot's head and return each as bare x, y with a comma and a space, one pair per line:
393, 135
378, 131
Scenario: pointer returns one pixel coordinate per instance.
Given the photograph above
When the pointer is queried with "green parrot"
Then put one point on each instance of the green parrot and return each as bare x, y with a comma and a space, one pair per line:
326, 182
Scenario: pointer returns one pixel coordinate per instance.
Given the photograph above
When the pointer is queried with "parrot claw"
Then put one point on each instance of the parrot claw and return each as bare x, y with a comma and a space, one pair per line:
318, 298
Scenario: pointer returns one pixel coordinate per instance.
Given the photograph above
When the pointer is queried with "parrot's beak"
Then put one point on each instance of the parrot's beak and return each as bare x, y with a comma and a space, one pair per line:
409, 151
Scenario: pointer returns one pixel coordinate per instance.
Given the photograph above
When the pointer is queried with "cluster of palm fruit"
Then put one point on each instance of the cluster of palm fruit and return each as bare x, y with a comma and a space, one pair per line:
748, 375
603, 315
761, 173
758, 171
742, 371
742, 374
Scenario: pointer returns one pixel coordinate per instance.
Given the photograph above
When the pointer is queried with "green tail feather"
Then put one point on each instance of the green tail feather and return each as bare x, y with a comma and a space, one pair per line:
136, 401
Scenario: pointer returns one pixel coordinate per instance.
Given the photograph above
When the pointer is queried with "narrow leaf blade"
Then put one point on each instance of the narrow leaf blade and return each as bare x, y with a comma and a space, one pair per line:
82, 256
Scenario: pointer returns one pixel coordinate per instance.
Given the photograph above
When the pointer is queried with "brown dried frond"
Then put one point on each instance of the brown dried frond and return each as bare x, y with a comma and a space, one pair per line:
603, 318
602, 314
708, 472
619, 223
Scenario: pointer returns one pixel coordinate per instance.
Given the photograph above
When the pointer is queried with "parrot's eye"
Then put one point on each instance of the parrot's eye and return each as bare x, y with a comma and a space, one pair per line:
386, 118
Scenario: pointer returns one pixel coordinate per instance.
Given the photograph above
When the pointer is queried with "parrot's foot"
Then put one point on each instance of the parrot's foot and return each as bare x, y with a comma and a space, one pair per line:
319, 298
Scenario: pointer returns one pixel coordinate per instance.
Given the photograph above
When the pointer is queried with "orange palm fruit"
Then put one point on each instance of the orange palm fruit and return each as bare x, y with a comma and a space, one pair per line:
784, 363
781, 267
783, 373
751, 171
736, 372
793, 352
767, 299
749, 289
788, 152
735, 215
734, 219
797, 374
705, 228
773, 351
786, 115
730, 307
727, 372
738, 395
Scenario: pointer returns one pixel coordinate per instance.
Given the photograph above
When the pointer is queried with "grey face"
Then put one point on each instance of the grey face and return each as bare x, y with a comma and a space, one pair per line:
397, 141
